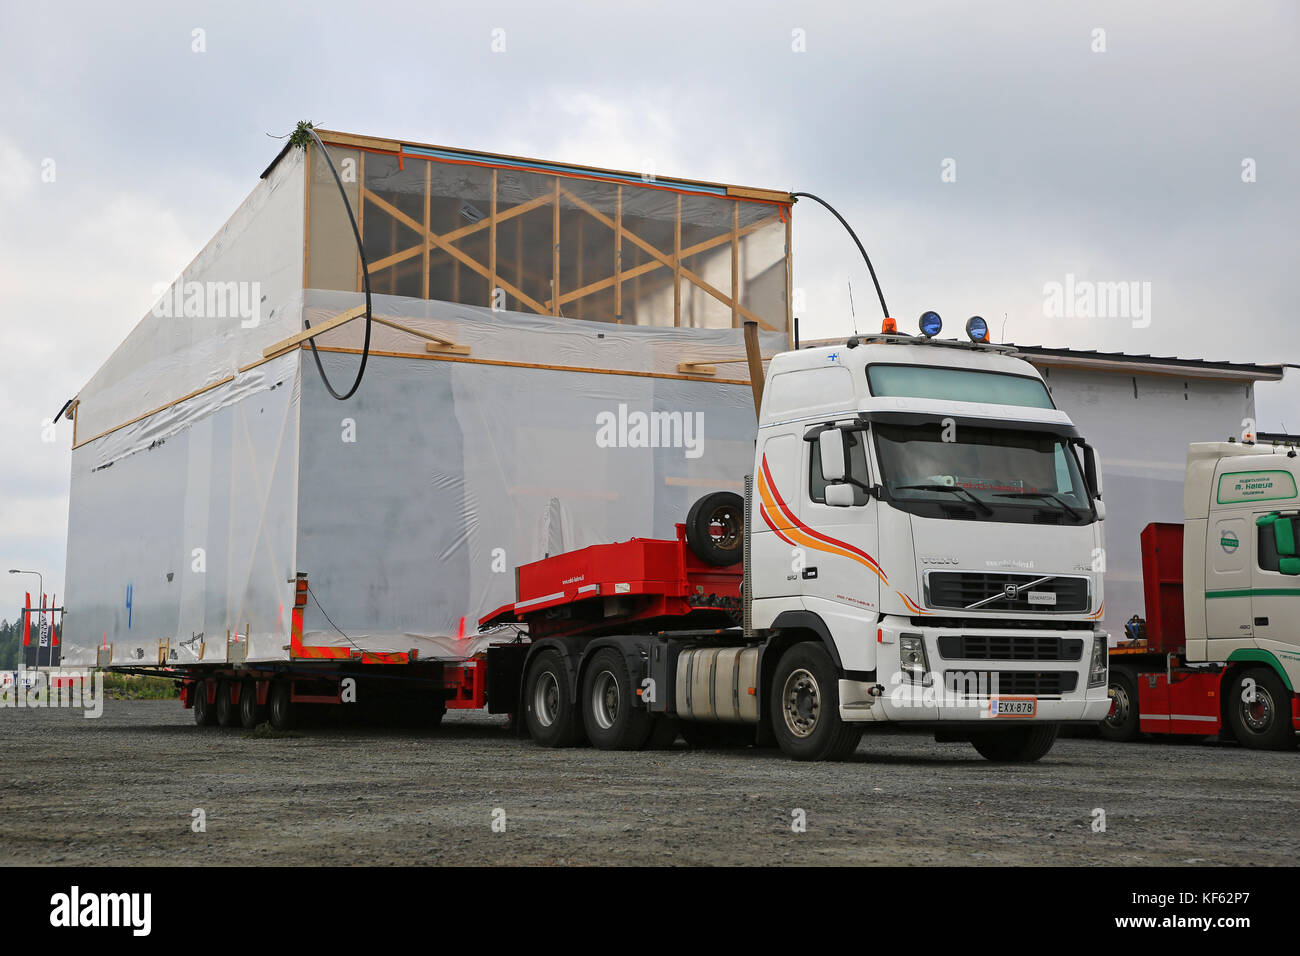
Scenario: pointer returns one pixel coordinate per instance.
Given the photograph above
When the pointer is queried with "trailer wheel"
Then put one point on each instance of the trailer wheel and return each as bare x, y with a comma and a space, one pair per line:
715, 528
613, 715
549, 711
805, 706
251, 713
1259, 710
1017, 744
1121, 723
227, 710
282, 710
205, 714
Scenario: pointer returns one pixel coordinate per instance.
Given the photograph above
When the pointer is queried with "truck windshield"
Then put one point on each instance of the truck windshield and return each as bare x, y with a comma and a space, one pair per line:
989, 468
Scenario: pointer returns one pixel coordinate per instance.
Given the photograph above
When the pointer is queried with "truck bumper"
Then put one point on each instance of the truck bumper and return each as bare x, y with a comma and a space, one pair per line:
961, 687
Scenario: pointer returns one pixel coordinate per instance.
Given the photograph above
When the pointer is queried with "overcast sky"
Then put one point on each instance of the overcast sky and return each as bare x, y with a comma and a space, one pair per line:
981, 151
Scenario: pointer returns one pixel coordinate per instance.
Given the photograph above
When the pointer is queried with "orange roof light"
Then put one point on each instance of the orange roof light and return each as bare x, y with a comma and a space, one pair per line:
889, 327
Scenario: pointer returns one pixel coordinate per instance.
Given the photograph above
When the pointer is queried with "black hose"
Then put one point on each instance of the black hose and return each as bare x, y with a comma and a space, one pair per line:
365, 274
843, 222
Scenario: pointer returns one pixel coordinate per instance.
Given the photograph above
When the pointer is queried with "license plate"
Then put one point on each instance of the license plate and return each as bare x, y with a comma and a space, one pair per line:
1047, 598
1013, 706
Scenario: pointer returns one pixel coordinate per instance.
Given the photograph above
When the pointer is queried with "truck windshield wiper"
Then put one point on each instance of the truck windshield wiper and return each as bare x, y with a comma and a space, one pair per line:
951, 489
1074, 513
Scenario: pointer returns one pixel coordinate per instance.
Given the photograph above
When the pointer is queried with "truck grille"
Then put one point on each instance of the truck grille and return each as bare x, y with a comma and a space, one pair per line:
1009, 647
1028, 683
961, 589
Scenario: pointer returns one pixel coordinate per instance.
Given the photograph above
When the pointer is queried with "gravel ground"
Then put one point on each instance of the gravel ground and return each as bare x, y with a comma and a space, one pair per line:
123, 789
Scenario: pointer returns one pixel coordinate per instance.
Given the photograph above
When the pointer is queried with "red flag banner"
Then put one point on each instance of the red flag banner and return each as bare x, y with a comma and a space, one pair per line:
27, 622
54, 634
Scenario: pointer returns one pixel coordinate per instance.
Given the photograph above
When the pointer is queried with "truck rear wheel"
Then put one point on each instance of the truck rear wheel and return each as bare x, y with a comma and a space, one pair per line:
715, 528
227, 710
805, 706
614, 717
282, 711
1259, 710
1121, 723
1016, 744
251, 713
549, 711
205, 714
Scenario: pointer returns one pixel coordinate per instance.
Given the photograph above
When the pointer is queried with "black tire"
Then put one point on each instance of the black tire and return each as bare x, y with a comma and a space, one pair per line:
1016, 744
1264, 721
715, 528
549, 711
227, 710
251, 713
205, 714
612, 713
1121, 724
805, 706
282, 711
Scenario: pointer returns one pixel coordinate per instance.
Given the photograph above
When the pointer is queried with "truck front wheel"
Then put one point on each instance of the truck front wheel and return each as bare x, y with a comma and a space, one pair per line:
1259, 710
1016, 744
549, 711
805, 706
1121, 723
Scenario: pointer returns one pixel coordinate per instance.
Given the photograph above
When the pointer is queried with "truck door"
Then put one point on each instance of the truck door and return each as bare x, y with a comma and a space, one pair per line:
841, 544
1275, 593
771, 548
1229, 550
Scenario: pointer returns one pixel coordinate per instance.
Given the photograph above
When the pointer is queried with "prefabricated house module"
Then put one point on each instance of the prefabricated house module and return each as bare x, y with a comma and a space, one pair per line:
555, 360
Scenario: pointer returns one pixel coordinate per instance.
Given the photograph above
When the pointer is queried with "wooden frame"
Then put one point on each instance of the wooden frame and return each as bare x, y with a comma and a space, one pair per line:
562, 302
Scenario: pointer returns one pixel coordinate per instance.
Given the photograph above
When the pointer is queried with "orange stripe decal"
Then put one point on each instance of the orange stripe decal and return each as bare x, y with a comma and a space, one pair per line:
790, 527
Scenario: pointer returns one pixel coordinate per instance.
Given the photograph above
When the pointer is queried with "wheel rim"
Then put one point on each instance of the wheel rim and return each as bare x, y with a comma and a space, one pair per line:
546, 698
725, 527
1257, 715
1119, 707
801, 702
605, 700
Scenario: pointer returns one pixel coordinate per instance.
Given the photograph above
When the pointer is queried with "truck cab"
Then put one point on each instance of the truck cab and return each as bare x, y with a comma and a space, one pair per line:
923, 507
1219, 649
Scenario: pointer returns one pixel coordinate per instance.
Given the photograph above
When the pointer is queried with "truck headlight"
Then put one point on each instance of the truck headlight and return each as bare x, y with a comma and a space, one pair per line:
911, 656
1098, 668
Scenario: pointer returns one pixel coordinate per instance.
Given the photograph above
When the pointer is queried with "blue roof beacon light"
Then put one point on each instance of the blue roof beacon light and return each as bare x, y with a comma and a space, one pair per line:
977, 329
930, 324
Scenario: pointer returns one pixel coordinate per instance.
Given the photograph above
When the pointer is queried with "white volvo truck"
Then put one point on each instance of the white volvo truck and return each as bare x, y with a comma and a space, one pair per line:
921, 544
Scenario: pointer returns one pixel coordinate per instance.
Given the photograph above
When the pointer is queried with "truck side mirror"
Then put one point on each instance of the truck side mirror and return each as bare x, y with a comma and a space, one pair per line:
830, 445
1092, 471
841, 495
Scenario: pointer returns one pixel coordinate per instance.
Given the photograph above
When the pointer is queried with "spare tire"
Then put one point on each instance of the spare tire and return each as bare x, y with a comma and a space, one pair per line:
715, 528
